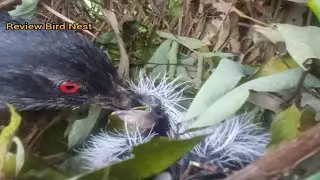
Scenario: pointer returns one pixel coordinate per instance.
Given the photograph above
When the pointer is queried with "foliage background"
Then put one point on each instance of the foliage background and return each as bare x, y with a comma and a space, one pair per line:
190, 38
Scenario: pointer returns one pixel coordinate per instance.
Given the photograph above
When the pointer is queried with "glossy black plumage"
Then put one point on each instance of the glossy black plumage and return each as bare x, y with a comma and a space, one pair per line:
34, 62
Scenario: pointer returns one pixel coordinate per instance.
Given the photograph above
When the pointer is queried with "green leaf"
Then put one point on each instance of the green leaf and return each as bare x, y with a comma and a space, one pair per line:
143, 52
152, 158
216, 54
186, 63
58, 143
25, 10
9, 168
307, 119
101, 174
37, 168
107, 38
47, 174
160, 57
190, 43
14, 162
187, 60
285, 126
301, 42
174, 9
7, 135
275, 65
221, 81
227, 105
308, 99
314, 5
132, 30
19, 157
183, 73
315, 176
94, 6
172, 56
81, 128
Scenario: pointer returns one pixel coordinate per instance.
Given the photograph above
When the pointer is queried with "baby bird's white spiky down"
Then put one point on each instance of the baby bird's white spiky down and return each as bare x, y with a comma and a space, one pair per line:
107, 148
168, 93
232, 143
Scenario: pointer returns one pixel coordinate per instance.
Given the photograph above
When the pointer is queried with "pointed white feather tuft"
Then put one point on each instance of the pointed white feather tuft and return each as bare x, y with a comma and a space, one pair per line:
232, 143
108, 148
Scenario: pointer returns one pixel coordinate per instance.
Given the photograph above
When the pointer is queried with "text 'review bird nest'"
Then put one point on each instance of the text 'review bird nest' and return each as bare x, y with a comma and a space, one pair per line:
159, 89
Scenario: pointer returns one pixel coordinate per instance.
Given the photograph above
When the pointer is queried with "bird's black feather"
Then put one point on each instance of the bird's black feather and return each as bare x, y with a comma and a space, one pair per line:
34, 62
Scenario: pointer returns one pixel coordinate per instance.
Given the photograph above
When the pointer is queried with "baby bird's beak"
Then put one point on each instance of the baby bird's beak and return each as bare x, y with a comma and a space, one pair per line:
136, 119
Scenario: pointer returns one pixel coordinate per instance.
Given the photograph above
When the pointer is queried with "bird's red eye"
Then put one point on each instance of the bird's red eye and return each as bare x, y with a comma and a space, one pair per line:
69, 87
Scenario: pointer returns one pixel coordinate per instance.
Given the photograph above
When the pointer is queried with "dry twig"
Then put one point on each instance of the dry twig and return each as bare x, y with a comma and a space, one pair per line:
9, 5
123, 69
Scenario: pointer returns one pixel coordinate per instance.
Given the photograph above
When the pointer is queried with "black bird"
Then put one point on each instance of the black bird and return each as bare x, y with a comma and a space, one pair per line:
54, 69
46, 72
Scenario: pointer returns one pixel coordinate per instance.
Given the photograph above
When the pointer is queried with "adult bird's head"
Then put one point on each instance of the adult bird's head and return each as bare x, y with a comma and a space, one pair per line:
54, 69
